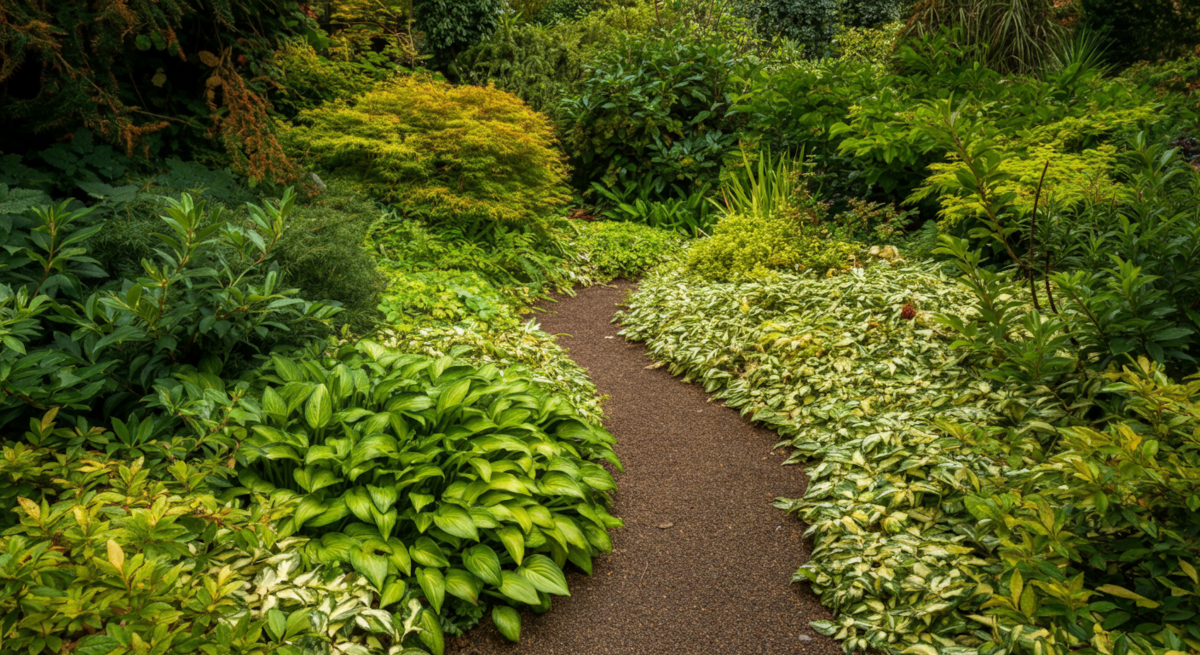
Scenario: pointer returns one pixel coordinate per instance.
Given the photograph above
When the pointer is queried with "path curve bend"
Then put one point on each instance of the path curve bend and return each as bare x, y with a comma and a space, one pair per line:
704, 561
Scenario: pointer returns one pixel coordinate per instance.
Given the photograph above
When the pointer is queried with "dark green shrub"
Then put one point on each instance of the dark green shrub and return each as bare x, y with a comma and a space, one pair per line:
654, 112
210, 299
451, 26
1144, 30
545, 64
323, 254
871, 13
459, 155
811, 23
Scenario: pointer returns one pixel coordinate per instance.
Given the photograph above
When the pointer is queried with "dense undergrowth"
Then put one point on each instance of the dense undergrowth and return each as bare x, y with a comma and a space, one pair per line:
270, 384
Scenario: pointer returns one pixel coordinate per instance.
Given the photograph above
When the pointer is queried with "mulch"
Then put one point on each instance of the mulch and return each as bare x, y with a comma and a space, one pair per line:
704, 562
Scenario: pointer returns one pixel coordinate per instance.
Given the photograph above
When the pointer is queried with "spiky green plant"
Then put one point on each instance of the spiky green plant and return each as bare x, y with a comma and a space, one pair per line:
1011, 36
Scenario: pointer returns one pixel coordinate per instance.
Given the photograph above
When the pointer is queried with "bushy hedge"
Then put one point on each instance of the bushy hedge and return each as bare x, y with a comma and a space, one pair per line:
442, 153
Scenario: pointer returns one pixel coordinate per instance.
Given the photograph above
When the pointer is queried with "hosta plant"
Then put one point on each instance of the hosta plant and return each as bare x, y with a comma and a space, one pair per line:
459, 480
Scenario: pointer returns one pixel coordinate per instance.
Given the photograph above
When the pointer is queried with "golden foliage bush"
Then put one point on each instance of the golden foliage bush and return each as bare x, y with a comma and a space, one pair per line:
442, 153
749, 246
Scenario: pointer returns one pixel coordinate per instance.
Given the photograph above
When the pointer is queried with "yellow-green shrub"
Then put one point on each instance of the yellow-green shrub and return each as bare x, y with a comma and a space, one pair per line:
439, 152
744, 246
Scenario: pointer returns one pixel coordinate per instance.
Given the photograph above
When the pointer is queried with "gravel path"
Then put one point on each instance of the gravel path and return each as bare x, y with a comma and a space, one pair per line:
704, 561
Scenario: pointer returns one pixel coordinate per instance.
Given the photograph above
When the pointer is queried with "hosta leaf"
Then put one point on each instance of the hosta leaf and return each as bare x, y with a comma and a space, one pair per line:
419, 500
383, 497
580, 558
463, 584
514, 542
508, 622
372, 567
309, 507
273, 404
399, 557
319, 408
452, 396
393, 593
544, 575
516, 587
483, 518
456, 521
336, 512
434, 585
482, 467
384, 521
596, 477
598, 538
570, 531
426, 552
483, 562
431, 632
409, 402
359, 503
520, 515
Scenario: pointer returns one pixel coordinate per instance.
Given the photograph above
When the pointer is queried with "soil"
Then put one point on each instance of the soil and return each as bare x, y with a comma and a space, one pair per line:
704, 562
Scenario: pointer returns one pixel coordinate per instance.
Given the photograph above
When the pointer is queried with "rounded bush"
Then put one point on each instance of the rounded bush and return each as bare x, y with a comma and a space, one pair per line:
442, 153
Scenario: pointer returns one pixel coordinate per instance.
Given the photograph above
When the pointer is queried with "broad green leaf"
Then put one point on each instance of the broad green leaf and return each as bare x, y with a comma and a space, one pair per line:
508, 622
483, 562
570, 531
452, 396
373, 567
359, 503
427, 553
336, 512
456, 521
434, 585
464, 585
276, 624
419, 500
383, 497
399, 557
431, 632
272, 403
544, 575
319, 408
309, 507
518, 588
393, 593
560, 484
514, 542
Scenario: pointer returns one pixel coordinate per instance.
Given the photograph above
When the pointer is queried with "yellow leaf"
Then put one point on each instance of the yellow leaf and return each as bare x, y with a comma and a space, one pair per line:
48, 419
209, 59
159, 79
1122, 592
1189, 570
116, 556
31, 508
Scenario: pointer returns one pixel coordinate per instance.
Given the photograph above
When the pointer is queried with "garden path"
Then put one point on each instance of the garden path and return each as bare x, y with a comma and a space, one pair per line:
704, 561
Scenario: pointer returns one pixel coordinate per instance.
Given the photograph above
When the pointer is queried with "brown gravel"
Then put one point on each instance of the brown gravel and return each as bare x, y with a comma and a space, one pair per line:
704, 561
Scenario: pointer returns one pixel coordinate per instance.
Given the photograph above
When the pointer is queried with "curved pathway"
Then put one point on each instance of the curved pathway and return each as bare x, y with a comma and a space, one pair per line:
704, 561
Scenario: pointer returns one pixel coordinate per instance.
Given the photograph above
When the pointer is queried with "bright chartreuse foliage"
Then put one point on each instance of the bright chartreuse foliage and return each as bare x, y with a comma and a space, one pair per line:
441, 153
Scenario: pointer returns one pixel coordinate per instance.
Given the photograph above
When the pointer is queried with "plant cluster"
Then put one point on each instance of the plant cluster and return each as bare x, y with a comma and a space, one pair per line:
448, 154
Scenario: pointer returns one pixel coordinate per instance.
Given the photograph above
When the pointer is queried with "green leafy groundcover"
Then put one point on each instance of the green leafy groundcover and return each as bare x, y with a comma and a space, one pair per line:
835, 366
460, 480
